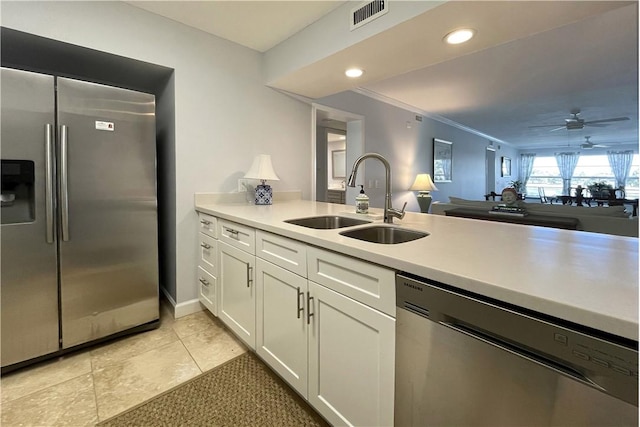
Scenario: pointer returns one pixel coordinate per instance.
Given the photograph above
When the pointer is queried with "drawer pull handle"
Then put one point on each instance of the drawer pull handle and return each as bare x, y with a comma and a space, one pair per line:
300, 306
205, 245
232, 233
204, 282
249, 279
309, 305
205, 222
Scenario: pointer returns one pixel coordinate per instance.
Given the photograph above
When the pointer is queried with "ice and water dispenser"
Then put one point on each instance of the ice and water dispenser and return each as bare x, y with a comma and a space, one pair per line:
18, 192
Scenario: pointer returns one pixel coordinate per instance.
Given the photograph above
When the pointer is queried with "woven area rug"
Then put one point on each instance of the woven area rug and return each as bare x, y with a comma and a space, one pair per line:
240, 392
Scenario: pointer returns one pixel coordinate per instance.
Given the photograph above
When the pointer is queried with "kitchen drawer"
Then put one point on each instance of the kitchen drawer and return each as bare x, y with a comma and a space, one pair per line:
367, 283
208, 224
208, 286
281, 251
208, 250
237, 235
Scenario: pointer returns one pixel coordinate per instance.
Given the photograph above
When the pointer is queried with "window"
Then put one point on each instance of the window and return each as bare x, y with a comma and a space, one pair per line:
589, 169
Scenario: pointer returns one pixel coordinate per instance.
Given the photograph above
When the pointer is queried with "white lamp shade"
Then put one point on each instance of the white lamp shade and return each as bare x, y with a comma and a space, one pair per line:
262, 169
423, 182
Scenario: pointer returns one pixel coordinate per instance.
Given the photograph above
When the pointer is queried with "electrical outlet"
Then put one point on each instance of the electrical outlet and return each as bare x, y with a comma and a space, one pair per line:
370, 184
377, 183
241, 185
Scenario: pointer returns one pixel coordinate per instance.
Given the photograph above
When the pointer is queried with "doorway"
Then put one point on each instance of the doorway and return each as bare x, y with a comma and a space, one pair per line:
490, 170
337, 140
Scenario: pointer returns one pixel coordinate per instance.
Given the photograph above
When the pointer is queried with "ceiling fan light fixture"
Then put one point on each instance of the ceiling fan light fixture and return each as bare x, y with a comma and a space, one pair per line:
459, 36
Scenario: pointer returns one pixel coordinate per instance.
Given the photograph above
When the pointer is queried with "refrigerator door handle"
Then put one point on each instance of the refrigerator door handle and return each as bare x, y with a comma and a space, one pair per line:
48, 140
64, 189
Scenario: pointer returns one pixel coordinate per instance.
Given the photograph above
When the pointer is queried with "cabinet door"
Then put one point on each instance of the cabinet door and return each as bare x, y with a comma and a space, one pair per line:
351, 360
207, 285
281, 323
237, 298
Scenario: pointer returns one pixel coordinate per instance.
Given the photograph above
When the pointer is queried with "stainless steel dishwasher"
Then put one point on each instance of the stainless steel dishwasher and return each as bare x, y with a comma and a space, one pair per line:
464, 360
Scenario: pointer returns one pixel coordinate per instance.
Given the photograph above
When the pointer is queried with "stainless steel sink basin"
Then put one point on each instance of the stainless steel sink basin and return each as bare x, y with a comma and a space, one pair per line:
327, 222
384, 235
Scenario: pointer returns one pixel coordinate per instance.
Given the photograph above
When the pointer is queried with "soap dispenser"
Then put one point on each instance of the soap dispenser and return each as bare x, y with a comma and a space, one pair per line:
362, 202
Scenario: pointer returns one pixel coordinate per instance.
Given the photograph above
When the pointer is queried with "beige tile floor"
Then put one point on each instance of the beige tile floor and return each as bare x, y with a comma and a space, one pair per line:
91, 385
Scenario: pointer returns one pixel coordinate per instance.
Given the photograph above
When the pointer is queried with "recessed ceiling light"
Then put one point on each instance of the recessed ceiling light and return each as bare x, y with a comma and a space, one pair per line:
354, 72
459, 36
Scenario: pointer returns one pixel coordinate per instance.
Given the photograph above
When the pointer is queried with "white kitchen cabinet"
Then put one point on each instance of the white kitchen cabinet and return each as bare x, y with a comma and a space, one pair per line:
207, 274
237, 293
351, 360
335, 351
286, 253
368, 283
208, 247
208, 289
321, 320
237, 235
208, 224
282, 322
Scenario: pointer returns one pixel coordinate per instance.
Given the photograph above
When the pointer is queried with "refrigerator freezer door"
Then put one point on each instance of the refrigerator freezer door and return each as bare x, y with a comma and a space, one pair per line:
108, 253
29, 282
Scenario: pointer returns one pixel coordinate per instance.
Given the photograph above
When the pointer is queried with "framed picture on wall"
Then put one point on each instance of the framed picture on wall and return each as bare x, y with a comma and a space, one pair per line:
506, 167
338, 164
442, 160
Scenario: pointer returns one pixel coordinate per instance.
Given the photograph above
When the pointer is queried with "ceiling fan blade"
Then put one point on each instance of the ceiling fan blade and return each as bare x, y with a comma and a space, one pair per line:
559, 128
597, 125
600, 146
547, 126
614, 119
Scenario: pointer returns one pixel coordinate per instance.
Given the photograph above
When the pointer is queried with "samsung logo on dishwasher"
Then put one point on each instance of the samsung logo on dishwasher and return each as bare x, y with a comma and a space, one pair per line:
412, 286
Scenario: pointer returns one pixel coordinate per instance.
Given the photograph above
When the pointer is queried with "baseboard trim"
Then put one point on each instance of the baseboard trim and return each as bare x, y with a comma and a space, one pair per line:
184, 308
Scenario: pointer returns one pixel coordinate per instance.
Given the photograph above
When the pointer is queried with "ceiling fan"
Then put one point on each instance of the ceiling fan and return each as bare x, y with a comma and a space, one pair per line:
589, 145
575, 122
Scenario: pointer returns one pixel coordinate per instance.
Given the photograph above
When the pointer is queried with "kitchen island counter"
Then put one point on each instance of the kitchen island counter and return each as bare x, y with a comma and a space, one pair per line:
590, 279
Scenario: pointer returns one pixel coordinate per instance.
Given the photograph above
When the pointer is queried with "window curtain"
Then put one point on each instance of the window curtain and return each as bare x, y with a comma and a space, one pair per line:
526, 167
620, 162
567, 164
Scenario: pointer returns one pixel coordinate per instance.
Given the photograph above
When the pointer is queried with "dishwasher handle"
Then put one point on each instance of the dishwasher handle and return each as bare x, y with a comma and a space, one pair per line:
525, 354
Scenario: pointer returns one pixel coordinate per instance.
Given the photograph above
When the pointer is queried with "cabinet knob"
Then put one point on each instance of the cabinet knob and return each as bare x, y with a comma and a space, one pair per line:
205, 222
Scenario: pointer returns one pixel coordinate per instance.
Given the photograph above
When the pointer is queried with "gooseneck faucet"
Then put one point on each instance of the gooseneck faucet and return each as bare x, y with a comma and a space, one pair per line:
389, 211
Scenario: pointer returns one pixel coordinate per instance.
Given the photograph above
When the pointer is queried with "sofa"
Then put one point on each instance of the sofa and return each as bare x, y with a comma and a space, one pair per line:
607, 220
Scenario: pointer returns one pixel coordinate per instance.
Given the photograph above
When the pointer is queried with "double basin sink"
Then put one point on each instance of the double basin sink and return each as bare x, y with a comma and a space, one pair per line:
383, 234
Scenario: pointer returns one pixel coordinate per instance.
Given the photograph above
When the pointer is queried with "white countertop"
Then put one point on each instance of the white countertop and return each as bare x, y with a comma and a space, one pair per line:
586, 278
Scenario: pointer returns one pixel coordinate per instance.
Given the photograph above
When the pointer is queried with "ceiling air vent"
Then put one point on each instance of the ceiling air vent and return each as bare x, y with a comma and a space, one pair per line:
367, 12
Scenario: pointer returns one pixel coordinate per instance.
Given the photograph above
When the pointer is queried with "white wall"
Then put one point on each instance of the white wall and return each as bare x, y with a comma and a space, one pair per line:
224, 115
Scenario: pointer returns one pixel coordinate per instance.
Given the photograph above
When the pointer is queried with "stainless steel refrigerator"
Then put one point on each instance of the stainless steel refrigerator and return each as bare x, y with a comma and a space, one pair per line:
79, 258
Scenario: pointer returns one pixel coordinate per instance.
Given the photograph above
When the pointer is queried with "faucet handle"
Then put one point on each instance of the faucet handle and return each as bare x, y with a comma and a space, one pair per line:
402, 210
398, 213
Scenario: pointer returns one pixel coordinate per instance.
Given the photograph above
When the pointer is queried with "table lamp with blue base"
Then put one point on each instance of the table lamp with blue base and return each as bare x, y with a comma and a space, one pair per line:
262, 169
